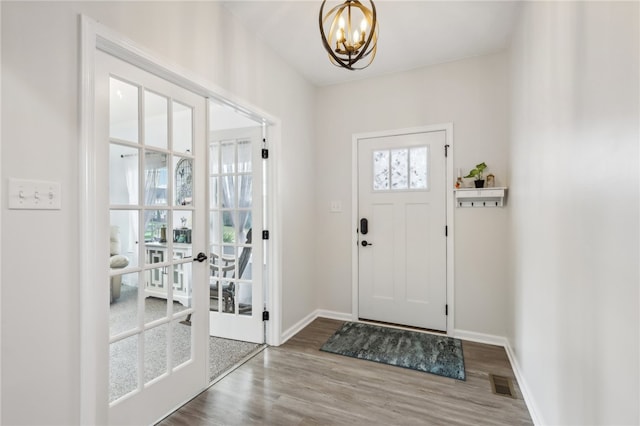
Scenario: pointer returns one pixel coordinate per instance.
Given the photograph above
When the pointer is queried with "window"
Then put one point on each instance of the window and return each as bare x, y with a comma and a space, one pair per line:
401, 169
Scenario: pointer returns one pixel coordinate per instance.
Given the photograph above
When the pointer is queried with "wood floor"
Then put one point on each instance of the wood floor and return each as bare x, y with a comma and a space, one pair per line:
296, 384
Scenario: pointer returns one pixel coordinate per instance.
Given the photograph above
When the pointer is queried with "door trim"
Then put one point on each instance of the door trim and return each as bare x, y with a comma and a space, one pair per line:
94, 405
449, 206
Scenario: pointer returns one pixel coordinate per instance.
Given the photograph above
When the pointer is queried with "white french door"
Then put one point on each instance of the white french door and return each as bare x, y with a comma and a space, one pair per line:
402, 218
235, 234
153, 135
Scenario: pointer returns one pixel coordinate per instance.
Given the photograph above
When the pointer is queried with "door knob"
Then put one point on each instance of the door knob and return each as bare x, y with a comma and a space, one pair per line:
365, 243
201, 257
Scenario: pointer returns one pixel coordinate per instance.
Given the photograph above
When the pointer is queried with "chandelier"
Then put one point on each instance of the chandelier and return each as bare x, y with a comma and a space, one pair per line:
350, 33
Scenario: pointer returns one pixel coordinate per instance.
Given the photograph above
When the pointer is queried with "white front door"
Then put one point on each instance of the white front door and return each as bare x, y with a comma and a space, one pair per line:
152, 135
402, 219
235, 234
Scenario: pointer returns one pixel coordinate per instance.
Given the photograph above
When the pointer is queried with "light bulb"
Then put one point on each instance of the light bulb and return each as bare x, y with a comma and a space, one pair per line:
356, 36
341, 22
363, 26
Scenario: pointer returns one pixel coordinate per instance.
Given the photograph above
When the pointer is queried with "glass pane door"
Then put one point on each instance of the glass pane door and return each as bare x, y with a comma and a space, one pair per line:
156, 147
235, 234
150, 231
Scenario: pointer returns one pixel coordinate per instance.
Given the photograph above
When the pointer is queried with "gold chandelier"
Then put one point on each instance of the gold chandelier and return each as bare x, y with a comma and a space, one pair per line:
350, 45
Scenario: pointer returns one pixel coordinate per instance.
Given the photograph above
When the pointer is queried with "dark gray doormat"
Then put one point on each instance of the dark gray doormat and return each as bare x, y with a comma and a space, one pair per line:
430, 353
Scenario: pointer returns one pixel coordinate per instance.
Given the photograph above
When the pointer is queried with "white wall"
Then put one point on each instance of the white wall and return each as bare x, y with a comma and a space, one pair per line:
40, 286
474, 95
574, 210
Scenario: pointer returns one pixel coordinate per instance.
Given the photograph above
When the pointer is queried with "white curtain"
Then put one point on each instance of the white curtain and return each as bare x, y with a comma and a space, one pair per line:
238, 186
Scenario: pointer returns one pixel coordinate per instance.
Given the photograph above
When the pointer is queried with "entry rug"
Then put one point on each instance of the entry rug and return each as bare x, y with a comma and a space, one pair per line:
430, 353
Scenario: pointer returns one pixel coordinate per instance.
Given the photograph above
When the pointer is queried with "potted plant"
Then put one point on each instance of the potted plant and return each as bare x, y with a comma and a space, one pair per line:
477, 173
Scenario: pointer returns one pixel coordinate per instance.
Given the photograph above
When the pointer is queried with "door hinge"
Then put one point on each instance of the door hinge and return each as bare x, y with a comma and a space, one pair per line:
265, 315
446, 230
265, 153
446, 150
265, 235
446, 310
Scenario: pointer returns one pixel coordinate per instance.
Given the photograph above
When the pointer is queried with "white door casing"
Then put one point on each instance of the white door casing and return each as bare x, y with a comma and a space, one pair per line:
401, 273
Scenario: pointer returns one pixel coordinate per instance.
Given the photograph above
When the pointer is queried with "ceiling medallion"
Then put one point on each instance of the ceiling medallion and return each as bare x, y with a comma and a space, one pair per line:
352, 42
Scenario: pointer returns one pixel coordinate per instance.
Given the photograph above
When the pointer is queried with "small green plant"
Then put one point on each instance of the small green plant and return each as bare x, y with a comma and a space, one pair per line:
477, 173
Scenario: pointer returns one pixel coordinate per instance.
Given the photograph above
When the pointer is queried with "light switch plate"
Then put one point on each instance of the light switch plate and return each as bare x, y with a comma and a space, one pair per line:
29, 194
335, 207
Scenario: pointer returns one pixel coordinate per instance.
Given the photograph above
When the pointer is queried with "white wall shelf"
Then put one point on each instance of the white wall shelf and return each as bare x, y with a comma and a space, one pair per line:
480, 197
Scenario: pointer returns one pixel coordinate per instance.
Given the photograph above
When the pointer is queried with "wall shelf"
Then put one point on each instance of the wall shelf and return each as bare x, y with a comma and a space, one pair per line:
480, 197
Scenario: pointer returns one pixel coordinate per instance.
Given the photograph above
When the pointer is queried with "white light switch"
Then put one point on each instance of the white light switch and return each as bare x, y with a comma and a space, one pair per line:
336, 206
34, 194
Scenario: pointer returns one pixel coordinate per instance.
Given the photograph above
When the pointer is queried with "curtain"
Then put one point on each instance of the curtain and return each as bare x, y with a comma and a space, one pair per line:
237, 190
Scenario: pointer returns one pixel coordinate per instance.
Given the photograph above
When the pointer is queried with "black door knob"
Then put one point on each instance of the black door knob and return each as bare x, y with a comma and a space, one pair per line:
201, 257
365, 243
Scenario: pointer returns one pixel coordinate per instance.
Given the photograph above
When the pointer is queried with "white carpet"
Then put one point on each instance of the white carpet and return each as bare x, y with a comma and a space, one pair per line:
223, 353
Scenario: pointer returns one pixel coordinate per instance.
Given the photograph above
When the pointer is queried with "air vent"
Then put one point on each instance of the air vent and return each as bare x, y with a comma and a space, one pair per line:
501, 385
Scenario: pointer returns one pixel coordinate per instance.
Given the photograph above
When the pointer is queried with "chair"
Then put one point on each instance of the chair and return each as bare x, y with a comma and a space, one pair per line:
223, 268
220, 267
116, 261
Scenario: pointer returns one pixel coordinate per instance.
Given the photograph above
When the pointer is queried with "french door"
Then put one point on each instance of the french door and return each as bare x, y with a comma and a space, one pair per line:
235, 235
402, 241
153, 134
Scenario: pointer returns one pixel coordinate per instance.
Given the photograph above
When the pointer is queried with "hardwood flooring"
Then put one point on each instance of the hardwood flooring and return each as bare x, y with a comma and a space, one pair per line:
297, 384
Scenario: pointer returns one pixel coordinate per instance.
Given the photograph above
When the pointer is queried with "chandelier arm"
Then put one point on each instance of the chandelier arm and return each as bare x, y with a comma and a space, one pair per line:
333, 10
375, 48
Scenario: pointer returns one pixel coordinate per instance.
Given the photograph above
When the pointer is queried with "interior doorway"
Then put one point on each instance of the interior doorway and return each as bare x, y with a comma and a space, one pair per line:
237, 265
236, 215
172, 175
162, 260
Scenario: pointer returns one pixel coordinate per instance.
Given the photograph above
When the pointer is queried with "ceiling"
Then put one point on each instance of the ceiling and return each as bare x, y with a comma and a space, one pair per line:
412, 34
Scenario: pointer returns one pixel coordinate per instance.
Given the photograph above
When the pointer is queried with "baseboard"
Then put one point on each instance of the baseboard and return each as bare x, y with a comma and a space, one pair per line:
491, 339
294, 329
534, 412
472, 336
340, 316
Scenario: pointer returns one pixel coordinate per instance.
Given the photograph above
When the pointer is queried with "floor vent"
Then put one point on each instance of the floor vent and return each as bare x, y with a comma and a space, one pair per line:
501, 385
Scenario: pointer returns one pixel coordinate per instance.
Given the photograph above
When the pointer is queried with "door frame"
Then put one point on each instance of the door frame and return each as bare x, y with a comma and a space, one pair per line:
449, 207
94, 378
